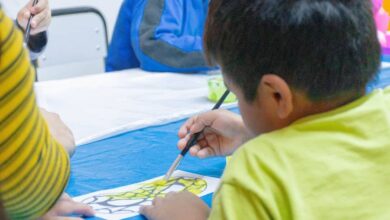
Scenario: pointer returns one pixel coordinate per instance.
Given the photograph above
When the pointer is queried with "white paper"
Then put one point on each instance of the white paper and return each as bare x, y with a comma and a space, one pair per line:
124, 202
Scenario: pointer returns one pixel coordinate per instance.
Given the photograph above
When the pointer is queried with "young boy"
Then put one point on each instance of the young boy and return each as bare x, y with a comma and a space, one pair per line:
317, 147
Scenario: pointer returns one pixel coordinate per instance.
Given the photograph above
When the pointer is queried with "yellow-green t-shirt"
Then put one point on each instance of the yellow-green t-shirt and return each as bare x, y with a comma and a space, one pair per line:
334, 165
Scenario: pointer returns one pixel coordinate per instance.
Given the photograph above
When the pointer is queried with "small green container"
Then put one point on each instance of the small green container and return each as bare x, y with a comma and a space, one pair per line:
217, 88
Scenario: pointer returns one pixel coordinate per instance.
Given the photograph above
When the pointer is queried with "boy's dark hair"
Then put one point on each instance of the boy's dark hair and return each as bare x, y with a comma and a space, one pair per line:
325, 48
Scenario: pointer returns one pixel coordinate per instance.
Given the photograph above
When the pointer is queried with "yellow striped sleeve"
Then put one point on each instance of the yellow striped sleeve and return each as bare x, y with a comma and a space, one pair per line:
34, 168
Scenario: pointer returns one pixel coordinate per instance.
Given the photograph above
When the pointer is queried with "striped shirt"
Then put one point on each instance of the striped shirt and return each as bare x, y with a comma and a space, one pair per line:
34, 168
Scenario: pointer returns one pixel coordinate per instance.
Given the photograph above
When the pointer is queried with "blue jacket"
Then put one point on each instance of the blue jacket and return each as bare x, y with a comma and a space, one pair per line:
159, 35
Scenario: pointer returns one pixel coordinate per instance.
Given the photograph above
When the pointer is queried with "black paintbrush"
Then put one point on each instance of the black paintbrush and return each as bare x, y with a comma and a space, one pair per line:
192, 141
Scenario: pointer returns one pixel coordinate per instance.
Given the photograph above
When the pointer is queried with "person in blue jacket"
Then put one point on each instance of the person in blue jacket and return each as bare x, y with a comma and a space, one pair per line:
159, 36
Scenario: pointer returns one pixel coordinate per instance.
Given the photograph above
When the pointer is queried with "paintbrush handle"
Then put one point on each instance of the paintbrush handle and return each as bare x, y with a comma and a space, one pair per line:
195, 137
221, 100
192, 141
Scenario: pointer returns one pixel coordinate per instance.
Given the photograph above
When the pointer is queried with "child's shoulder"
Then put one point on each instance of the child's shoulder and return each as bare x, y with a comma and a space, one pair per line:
256, 157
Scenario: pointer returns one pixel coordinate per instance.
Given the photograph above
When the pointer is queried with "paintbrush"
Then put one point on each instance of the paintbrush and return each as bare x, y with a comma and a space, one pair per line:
192, 141
28, 27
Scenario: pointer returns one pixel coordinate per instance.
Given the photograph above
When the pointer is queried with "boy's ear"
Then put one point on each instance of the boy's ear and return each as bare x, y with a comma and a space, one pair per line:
279, 93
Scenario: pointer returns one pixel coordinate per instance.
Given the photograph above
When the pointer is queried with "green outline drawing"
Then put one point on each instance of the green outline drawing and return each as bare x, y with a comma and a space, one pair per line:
130, 201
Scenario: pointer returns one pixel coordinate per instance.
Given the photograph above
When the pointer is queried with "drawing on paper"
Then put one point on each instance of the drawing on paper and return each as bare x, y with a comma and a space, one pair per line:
125, 201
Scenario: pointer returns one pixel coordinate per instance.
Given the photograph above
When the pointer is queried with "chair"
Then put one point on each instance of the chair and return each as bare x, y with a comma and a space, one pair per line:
78, 44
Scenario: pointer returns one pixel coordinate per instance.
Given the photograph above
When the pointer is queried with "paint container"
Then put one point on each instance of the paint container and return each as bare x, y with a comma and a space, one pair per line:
217, 88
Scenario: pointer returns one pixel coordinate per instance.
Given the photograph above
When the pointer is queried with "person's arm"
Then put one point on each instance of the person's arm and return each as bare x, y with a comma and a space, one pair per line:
37, 43
170, 36
65, 206
34, 166
247, 191
120, 54
60, 131
176, 206
39, 25
230, 202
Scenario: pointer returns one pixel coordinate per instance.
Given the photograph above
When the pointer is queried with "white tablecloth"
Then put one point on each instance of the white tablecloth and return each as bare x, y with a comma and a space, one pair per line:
103, 105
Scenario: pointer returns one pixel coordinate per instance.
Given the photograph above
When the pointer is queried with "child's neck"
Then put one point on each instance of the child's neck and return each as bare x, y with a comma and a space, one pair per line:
304, 107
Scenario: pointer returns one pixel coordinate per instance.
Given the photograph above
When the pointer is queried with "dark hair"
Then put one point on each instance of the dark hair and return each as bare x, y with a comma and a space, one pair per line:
325, 48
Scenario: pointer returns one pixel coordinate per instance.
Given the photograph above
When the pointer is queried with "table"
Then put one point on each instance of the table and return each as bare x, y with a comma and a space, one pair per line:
133, 157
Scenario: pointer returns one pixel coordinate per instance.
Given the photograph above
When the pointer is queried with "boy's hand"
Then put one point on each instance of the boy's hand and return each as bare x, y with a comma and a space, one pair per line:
41, 19
60, 131
182, 205
65, 206
223, 133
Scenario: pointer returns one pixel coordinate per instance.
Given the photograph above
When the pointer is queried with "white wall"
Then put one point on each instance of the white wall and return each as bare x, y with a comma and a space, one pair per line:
109, 8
